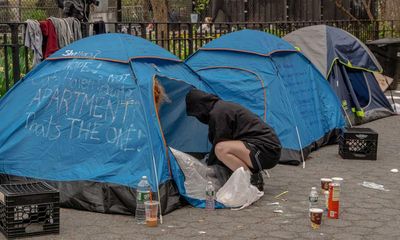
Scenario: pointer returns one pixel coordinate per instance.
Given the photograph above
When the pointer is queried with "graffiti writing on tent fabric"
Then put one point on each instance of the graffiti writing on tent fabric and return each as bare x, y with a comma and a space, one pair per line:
47, 128
302, 89
85, 105
69, 102
73, 53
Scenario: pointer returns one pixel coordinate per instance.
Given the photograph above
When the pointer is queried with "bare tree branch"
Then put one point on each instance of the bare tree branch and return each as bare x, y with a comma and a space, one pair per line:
367, 7
339, 5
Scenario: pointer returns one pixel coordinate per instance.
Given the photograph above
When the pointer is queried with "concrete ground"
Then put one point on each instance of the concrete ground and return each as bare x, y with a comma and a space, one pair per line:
365, 213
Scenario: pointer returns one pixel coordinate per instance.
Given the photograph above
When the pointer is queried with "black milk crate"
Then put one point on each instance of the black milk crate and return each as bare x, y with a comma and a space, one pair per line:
29, 209
358, 143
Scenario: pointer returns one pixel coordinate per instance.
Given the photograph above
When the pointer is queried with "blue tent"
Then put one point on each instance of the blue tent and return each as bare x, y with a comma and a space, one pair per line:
348, 65
85, 121
270, 77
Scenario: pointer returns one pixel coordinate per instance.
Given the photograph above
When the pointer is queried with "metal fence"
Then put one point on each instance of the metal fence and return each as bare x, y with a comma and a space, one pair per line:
182, 39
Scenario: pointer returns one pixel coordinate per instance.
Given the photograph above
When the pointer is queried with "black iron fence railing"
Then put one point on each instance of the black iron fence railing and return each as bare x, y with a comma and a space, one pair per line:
182, 39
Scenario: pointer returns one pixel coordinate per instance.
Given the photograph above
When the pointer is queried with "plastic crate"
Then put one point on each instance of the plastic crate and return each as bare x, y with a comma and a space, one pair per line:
358, 143
29, 209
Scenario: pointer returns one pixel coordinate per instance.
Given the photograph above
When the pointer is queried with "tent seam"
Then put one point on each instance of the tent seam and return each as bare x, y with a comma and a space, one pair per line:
249, 52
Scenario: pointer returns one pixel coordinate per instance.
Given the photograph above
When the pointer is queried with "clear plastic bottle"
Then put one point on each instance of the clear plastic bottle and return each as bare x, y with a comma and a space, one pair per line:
313, 198
142, 195
210, 196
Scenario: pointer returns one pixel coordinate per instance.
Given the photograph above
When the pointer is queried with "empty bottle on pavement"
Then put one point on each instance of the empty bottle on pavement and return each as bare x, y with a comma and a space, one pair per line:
142, 195
313, 198
210, 196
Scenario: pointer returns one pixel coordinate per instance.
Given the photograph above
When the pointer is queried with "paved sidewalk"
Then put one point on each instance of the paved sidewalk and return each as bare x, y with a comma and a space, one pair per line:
365, 213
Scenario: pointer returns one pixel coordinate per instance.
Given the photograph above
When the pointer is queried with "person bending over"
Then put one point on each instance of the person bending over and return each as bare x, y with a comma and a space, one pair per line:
239, 137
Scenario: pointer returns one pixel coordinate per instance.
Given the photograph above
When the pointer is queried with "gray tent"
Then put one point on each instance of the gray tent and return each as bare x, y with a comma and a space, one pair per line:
348, 65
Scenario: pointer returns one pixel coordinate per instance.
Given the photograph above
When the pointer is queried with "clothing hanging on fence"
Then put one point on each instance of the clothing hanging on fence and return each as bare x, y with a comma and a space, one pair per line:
67, 29
99, 27
46, 37
34, 40
64, 34
50, 42
75, 27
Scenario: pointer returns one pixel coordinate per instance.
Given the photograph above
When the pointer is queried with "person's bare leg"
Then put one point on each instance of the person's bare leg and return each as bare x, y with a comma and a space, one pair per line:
234, 154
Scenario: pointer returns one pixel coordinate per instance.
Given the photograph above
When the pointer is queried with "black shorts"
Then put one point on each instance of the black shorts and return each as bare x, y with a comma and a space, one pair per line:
259, 159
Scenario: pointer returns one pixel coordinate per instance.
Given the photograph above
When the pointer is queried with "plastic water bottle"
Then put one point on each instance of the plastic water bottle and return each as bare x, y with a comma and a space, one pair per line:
313, 198
142, 195
210, 196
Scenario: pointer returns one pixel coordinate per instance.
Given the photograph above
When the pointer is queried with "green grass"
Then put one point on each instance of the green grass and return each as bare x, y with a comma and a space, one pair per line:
9, 68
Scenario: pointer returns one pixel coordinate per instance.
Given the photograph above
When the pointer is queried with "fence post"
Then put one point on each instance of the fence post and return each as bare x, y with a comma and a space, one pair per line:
85, 29
143, 30
119, 11
15, 52
392, 28
190, 39
6, 65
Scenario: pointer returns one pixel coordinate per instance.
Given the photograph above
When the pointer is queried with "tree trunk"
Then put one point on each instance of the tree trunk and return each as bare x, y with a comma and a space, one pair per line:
390, 10
160, 15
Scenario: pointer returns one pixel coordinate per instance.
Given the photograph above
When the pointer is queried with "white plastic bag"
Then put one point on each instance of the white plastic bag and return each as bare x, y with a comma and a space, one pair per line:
237, 191
197, 174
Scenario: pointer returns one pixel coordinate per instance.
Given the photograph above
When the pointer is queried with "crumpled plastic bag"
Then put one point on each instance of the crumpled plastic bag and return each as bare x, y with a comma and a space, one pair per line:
238, 192
375, 186
197, 174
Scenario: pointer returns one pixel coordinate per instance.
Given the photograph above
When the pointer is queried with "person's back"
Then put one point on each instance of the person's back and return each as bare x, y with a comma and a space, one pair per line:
239, 137
249, 127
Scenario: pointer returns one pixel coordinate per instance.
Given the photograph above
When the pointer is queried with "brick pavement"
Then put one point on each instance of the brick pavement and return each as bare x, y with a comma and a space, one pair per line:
365, 213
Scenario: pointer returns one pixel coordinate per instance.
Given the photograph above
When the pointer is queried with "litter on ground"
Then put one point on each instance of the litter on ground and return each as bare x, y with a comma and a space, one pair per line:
373, 185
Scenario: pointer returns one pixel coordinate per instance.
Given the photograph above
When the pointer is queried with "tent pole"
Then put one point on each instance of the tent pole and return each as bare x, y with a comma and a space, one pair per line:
158, 188
291, 112
301, 147
347, 116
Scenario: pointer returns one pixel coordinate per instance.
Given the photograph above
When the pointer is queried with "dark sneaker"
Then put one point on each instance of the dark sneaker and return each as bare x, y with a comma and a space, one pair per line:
257, 180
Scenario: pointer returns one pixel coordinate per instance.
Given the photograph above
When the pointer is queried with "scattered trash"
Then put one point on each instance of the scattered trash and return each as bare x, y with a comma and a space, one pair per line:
240, 227
273, 203
285, 221
334, 200
321, 234
394, 170
278, 211
170, 226
202, 232
162, 230
281, 194
396, 108
374, 186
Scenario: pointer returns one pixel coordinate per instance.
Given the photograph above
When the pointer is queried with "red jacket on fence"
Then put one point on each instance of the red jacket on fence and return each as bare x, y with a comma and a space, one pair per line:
50, 43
